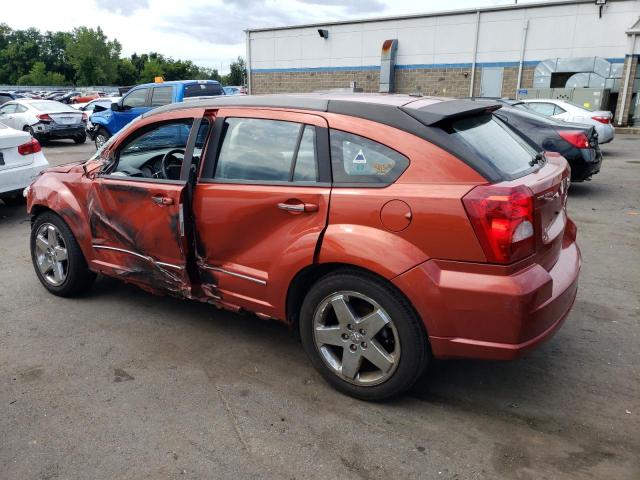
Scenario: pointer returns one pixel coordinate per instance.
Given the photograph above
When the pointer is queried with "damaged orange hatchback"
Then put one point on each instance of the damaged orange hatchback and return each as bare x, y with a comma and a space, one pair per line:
387, 229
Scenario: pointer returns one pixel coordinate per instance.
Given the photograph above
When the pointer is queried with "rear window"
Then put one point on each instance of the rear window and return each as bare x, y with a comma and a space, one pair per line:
47, 106
202, 90
495, 143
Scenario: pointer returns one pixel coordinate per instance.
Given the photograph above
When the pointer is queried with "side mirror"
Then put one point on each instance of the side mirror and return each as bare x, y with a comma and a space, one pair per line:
115, 106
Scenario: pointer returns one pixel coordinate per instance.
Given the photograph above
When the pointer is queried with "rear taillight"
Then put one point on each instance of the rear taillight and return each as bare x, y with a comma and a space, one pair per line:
502, 218
577, 139
605, 120
44, 117
32, 146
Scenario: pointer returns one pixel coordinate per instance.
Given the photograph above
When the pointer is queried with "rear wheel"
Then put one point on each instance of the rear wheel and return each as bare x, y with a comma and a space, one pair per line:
101, 138
30, 131
363, 336
80, 138
57, 258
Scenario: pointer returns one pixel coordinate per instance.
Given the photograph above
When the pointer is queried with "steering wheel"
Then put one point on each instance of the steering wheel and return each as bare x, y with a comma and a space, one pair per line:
164, 163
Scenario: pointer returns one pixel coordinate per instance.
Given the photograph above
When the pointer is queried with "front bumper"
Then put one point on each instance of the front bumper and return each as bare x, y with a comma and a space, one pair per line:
473, 311
48, 130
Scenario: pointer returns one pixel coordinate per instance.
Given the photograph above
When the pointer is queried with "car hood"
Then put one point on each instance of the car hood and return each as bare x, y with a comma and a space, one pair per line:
66, 168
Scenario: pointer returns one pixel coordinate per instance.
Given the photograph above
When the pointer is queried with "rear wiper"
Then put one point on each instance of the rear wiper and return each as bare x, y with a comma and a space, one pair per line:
537, 159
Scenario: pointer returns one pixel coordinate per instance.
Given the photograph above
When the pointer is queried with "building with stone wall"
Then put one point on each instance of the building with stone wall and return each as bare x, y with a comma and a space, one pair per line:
495, 49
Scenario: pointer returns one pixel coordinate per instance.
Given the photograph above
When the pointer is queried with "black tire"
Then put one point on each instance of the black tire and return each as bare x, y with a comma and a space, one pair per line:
414, 345
100, 133
79, 278
31, 132
80, 139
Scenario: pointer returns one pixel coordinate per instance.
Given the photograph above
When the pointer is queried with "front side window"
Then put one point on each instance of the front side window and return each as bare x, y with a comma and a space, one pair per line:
156, 152
137, 98
10, 108
259, 150
356, 159
161, 96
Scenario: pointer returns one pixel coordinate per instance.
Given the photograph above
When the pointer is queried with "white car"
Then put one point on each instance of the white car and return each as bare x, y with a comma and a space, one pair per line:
45, 119
90, 107
569, 112
21, 160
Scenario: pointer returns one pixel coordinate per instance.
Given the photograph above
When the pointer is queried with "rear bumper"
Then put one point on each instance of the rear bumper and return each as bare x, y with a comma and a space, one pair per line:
483, 312
45, 130
585, 163
16, 179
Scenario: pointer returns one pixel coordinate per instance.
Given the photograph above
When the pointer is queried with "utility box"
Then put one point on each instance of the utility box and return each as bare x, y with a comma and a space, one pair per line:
388, 66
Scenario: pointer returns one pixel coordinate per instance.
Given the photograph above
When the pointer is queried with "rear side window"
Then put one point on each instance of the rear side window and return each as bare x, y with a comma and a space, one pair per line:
266, 151
356, 159
495, 143
161, 96
202, 90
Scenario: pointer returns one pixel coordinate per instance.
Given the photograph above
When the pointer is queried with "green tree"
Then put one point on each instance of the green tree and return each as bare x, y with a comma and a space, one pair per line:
94, 58
127, 72
238, 72
39, 76
151, 70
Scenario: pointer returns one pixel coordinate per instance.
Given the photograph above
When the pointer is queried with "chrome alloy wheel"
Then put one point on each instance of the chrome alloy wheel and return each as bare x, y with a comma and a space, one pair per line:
356, 338
51, 254
100, 140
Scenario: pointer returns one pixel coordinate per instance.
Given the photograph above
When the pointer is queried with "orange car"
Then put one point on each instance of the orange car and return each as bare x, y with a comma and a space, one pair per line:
387, 229
86, 97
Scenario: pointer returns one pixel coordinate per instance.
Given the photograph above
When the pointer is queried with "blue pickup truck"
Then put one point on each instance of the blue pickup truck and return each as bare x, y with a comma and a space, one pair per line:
141, 99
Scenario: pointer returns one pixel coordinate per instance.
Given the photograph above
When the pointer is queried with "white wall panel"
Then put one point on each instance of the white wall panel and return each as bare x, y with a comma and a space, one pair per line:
554, 31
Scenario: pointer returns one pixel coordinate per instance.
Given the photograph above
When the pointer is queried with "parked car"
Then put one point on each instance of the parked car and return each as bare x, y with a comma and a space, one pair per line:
45, 119
85, 97
232, 90
578, 143
569, 112
387, 229
96, 105
6, 97
142, 98
21, 160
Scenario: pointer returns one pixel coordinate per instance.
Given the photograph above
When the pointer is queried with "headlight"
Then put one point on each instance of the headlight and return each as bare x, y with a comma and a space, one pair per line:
25, 192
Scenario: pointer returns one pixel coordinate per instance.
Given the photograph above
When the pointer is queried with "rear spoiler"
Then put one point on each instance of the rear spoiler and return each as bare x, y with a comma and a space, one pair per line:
436, 113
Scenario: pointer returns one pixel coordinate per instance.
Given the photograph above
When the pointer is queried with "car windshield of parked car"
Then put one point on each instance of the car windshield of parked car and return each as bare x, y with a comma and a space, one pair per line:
202, 90
48, 106
495, 143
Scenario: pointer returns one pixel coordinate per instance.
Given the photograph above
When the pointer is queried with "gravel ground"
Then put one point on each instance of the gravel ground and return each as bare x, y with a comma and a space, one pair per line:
121, 384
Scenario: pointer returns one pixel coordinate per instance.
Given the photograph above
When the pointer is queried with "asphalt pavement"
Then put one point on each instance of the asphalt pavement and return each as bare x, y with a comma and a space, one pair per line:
121, 384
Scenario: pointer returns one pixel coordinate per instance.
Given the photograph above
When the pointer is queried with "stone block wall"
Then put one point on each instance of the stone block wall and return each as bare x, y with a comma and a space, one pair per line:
448, 82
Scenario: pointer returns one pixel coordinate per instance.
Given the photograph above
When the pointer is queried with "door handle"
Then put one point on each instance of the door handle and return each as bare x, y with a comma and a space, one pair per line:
160, 200
298, 207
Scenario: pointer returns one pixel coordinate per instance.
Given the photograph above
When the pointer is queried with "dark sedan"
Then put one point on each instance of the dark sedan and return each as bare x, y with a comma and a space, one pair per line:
576, 142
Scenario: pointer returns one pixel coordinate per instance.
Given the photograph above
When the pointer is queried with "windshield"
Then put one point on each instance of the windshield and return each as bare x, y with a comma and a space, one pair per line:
584, 107
495, 143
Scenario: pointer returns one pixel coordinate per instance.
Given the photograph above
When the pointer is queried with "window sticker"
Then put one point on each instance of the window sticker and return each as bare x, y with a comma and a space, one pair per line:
360, 158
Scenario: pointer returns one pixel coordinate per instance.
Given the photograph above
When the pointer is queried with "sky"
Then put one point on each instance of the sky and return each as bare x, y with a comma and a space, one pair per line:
208, 32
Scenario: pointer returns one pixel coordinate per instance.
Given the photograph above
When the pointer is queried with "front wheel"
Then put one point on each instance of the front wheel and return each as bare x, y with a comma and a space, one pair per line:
80, 139
363, 336
57, 258
101, 138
